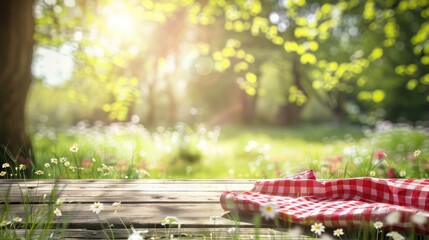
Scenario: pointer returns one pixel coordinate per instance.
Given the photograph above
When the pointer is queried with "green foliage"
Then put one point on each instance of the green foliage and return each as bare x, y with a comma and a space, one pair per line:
347, 50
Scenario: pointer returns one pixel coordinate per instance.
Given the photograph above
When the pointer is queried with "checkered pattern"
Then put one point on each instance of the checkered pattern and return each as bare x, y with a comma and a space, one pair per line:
338, 203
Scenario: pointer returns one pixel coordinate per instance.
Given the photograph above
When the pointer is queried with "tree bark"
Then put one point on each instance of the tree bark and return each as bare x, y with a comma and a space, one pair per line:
16, 53
289, 113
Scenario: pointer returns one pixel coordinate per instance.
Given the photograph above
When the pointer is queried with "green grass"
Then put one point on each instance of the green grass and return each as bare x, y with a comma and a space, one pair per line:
230, 152
129, 150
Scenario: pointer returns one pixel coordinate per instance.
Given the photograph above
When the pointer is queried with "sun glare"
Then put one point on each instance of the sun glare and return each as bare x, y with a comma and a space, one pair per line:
120, 22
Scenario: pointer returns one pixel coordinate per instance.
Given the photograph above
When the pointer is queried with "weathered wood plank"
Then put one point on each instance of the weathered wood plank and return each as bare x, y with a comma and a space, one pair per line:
94, 182
116, 196
184, 233
146, 215
124, 186
145, 203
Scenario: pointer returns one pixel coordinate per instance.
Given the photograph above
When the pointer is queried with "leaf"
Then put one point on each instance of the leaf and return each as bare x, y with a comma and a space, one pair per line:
375, 54
241, 66
425, 79
251, 77
412, 84
249, 58
313, 46
425, 60
290, 46
308, 58
378, 96
411, 69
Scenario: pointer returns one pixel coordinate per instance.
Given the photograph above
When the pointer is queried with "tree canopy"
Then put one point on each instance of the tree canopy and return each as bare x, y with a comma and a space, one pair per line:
360, 60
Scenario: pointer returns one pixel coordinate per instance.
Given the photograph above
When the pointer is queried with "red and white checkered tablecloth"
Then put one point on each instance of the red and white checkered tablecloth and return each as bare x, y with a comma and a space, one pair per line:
348, 202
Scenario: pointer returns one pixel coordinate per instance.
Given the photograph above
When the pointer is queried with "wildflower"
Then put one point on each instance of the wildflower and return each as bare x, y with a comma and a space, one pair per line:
17, 219
372, 174
116, 205
144, 173
391, 173
59, 201
5, 165
86, 163
393, 218
97, 207
66, 163
378, 225
136, 235
338, 232
419, 218
39, 172
4, 223
169, 220
22, 167
318, 228
54, 161
74, 148
402, 173
268, 210
57, 212
63, 160
395, 236
2, 173
417, 153
47, 165
379, 155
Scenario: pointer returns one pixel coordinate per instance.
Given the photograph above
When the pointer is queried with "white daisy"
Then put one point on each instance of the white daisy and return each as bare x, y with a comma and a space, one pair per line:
136, 235
378, 225
269, 211
419, 218
59, 201
393, 218
417, 153
97, 207
395, 236
318, 228
74, 148
338, 232
57, 212
169, 220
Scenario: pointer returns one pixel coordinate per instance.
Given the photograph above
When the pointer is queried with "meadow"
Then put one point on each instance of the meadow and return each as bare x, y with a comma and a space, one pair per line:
129, 150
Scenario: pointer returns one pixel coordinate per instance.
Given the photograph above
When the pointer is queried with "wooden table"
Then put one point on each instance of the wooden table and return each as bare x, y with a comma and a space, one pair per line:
144, 204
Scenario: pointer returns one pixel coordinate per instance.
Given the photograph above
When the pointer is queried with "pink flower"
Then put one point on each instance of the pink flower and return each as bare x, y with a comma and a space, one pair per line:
391, 173
379, 154
86, 163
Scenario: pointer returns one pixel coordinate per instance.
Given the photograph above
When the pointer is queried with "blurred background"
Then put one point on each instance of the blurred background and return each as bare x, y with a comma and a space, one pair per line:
243, 88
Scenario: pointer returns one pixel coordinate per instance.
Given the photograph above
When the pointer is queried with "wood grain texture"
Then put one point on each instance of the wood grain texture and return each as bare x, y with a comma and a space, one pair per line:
144, 204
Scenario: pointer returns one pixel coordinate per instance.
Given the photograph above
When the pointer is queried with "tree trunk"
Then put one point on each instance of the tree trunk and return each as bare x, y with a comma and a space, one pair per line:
289, 113
249, 102
16, 53
172, 102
